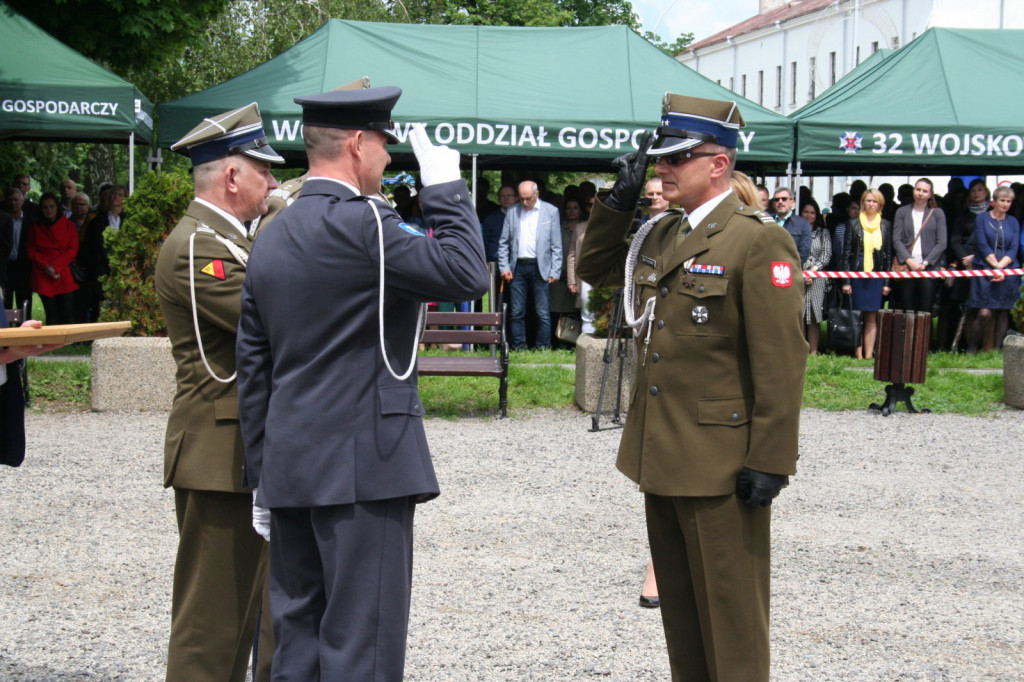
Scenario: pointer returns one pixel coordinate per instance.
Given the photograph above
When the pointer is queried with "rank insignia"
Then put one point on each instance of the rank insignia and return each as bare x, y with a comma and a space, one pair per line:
652, 278
782, 274
214, 268
699, 314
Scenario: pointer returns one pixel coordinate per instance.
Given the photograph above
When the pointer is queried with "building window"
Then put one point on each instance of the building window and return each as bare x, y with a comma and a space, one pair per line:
732, 84
778, 87
812, 77
743, 85
719, 81
831, 68
760, 88
895, 42
874, 47
792, 82
857, 63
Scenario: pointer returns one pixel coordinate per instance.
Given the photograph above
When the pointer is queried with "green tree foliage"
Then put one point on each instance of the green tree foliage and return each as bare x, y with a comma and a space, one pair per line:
122, 34
159, 201
674, 48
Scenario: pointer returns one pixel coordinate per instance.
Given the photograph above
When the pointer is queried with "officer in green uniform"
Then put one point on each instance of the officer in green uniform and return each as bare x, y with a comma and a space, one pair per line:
221, 567
714, 295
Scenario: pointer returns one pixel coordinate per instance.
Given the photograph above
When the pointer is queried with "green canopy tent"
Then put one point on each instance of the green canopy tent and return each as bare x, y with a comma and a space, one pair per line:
934, 104
49, 92
566, 98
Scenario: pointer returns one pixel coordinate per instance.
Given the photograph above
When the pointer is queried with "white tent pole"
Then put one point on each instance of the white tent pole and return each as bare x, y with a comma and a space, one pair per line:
473, 188
131, 162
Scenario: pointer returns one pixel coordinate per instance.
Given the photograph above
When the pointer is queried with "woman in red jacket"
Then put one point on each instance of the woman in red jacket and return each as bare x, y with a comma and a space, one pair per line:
52, 245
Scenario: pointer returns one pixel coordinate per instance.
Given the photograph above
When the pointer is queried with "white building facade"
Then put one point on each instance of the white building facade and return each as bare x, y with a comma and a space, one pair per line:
793, 51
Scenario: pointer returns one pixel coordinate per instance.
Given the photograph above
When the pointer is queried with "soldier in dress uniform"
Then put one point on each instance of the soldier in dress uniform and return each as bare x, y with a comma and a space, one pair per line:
221, 567
715, 298
330, 411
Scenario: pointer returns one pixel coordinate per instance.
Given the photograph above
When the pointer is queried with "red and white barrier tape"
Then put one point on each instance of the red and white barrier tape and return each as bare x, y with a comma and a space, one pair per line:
916, 274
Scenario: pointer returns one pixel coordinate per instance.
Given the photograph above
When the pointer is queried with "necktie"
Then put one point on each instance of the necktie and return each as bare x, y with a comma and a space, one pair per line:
684, 229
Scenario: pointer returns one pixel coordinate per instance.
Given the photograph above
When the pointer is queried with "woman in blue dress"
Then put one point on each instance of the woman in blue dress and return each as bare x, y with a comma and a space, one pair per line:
996, 241
867, 247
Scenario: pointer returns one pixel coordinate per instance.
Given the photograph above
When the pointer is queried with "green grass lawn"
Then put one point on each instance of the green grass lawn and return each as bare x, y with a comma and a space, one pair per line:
547, 379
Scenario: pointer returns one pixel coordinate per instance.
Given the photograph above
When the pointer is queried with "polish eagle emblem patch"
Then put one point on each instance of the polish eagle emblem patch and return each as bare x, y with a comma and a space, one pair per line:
782, 274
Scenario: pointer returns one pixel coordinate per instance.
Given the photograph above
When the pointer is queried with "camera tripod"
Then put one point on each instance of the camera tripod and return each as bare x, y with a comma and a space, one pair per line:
615, 347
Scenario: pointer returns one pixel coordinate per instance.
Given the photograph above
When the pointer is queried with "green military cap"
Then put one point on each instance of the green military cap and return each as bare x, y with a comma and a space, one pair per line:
687, 122
239, 131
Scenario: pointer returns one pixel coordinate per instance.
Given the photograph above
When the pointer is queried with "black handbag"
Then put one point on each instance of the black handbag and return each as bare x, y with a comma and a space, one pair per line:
568, 329
845, 327
77, 271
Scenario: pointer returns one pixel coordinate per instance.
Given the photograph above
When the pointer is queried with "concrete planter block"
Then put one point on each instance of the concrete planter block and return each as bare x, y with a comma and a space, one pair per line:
1013, 371
590, 367
132, 373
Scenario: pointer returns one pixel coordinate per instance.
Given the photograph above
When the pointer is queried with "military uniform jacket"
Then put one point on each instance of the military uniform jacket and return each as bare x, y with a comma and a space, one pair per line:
203, 449
324, 421
720, 385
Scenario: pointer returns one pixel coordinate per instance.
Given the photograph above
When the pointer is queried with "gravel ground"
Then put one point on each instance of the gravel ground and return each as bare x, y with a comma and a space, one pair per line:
898, 553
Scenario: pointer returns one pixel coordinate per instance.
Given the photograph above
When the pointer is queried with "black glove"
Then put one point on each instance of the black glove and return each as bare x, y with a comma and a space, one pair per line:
758, 489
632, 171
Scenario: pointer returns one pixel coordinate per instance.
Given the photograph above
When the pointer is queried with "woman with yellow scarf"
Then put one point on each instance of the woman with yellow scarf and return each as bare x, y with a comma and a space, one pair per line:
867, 247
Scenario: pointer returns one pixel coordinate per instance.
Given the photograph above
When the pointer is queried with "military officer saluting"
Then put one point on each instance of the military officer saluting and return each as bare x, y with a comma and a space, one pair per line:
222, 563
711, 434
327, 393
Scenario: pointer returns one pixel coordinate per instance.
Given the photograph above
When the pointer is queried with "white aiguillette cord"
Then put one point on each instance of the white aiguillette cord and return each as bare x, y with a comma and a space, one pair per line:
243, 259
637, 325
421, 316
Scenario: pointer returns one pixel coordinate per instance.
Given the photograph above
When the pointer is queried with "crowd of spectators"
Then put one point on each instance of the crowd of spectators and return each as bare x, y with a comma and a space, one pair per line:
865, 229
55, 248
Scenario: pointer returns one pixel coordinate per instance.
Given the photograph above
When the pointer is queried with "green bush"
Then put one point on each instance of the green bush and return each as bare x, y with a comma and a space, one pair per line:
152, 211
600, 306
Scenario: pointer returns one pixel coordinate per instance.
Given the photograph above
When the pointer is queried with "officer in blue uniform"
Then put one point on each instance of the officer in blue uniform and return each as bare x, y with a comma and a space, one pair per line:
331, 417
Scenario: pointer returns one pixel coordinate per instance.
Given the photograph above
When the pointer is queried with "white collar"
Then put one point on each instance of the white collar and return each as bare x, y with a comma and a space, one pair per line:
349, 185
232, 220
698, 214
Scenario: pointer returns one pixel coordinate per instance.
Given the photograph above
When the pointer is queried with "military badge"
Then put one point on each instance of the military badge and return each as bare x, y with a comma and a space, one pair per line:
782, 274
699, 314
410, 229
214, 268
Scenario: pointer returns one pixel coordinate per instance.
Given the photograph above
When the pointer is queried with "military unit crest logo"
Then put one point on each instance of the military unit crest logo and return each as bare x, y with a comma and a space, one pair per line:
850, 142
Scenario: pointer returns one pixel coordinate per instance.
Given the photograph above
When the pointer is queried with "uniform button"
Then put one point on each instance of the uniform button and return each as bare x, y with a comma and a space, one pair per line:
701, 288
457, 198
640, 278
661, 324
664, 291
654, 390
735, 417
655, 357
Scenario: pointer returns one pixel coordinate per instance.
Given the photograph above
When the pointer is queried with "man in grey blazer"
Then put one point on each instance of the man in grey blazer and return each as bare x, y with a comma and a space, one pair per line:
330, 413
530, 258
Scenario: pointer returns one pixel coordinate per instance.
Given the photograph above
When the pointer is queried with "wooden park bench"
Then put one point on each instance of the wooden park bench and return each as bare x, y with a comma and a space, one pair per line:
479, 329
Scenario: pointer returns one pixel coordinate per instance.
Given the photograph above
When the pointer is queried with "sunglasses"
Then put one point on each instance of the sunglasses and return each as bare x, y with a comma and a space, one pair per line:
783, 199
680, 158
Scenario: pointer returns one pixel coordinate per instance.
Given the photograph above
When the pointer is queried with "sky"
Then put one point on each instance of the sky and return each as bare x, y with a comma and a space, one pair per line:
703, 18
706, 17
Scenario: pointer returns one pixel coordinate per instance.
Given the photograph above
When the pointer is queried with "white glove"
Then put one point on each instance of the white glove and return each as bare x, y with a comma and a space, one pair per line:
260, 519
437, 164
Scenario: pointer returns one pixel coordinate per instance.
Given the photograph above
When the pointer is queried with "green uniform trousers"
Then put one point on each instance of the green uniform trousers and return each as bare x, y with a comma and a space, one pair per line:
712, 562
220, 580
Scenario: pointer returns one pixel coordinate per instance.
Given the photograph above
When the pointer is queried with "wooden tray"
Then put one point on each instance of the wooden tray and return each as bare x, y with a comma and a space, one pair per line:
61, 333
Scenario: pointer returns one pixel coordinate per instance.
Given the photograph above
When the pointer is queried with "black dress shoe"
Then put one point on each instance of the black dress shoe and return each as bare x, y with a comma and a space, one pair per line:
649, 602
